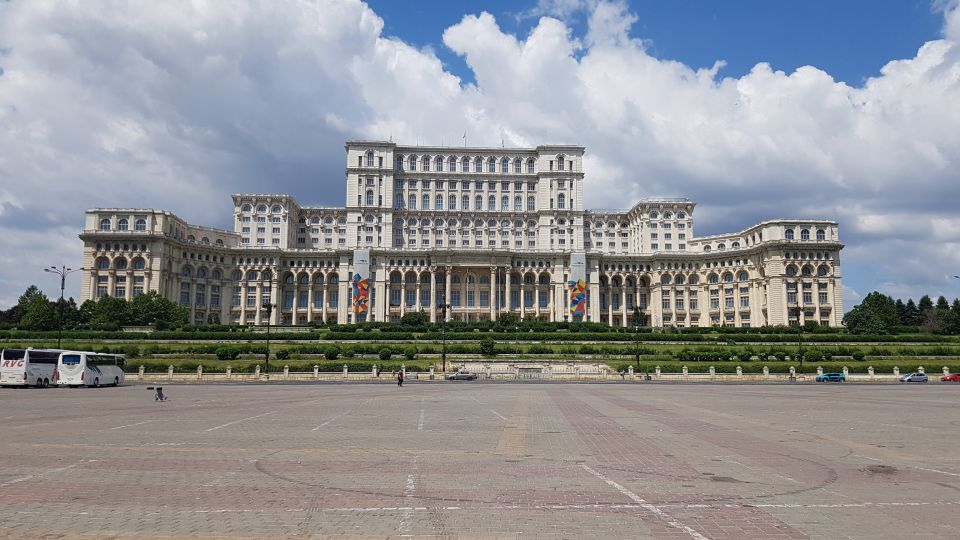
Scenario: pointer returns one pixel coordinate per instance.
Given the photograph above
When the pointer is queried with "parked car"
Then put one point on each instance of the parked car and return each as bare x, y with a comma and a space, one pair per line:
951, 378
832, 377
462, 375
914, 377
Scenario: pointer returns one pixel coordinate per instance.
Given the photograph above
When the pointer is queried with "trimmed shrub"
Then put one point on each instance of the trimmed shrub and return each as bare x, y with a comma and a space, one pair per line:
283, 354
488, 347
227, 353
385, 353
410, 353
331, 352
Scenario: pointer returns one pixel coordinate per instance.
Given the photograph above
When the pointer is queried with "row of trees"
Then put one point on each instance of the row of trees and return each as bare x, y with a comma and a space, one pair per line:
34, 311
881, 314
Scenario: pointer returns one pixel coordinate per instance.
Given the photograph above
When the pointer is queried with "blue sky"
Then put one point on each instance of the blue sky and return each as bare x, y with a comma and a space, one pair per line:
138, 104
850, 39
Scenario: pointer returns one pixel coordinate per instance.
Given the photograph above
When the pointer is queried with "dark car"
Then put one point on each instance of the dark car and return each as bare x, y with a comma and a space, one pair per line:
462, 375
832, 377
951, 378
914, 377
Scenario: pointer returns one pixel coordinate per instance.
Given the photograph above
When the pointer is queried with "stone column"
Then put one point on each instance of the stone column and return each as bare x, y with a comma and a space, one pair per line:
259, 302
493, 293
610, 302
506, 294
310, 302
326, 298
523, 305
623, 304
274, 298
403, 295
446, 293
433, 295
343, 300
417, 286
536, 297
296, 301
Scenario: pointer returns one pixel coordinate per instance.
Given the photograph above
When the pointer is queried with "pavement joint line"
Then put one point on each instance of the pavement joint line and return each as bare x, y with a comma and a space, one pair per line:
657, 511
334, 417
139, 423
41, 475
238, 421
500, 416
936, 471
420, 422
409, 491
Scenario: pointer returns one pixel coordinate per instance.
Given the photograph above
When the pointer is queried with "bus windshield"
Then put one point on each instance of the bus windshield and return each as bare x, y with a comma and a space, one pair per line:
13, 354
70, 359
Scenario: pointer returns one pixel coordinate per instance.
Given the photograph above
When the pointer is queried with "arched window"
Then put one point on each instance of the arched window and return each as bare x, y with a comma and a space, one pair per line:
219, 242
186, 271
138, 264
289, 279
276, 209
807, 271
504, 165
743, 276
236, 275
413, 163
477, 165
728, 278
103, 263
140, 225
105, 224
491, 203
721, 247
465, 164
653, 214
426, 163
707, 249
531, 204
252, 275
678, 280
560, 160
439, 202
399, 202
735, 245
304, 279
334, 279
454, 279
821, 234
791, 271
517, 166
246, 208
369, 197
262, 208
216, 274
453, 165
693, 280
398, 163
788, 234
369, 158
201, 272
122, 224
319, 279
426, 202
804, 234
478, 200
530, 165
822, 270
491, 165
713, 279
191, 238
505, 203
681, 215
561, 201
466, 202
438, 164
412, 202
452, 200
517, 203
120, 263
266, 275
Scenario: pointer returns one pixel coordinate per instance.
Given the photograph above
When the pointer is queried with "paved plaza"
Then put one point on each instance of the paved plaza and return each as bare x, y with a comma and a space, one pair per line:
482, 460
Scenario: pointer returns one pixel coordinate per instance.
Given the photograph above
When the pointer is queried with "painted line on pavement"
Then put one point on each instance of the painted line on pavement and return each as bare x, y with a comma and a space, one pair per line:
645, 505
420, 422
139, 423
43, 474
240, 420
936, 471
334, 417
500, 416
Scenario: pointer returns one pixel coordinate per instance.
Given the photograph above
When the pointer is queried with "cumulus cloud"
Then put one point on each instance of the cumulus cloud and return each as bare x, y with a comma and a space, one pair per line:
177, 107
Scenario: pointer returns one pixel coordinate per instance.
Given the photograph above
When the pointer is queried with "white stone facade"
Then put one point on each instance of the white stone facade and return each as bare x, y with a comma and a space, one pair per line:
496, 227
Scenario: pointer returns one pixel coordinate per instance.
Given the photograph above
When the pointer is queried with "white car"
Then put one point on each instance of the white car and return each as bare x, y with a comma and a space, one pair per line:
462, 375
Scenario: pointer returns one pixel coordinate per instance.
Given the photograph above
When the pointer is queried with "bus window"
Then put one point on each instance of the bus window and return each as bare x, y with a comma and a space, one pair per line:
70, 359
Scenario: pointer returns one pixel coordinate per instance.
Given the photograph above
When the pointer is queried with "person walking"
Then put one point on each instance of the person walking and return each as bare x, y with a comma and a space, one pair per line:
400, 378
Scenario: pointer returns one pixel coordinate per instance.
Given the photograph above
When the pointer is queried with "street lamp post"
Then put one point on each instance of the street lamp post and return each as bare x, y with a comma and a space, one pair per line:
636, 333
63, 272
799, 339
269, 307
443, 333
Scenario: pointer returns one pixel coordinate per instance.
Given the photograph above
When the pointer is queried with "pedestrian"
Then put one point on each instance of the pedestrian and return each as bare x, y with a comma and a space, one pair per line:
159, 395
400, 378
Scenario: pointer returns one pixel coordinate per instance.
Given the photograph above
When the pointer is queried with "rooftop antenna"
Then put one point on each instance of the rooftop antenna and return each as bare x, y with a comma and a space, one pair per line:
464, 138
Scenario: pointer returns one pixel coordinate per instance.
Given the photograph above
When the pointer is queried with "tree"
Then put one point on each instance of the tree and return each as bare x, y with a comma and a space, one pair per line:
925, 304
638, 318
108, 313
153, 309
415, 319
913, 313
36, 311
876, 314
942, 303
902, 313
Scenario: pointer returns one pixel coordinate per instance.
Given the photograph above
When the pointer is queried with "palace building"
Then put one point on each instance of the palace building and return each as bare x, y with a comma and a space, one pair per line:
468, 234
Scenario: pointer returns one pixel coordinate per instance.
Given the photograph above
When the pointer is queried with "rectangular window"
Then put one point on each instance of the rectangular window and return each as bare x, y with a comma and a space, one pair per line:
823, 298
455, 298
137, 291
807, 297
484, 299
744, 301
714, 303
334, 298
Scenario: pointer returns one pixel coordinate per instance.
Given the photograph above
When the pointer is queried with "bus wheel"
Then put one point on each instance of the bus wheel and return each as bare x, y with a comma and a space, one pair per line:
116, 381
46, 383
96, 383
39, 383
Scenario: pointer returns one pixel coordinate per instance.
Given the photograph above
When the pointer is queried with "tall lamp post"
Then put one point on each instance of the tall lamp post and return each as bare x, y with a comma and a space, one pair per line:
636, 333
269, 307
799, 337
443, 333
63, 272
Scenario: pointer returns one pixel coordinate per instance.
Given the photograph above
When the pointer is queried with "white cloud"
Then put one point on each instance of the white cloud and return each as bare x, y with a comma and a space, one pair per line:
177, 107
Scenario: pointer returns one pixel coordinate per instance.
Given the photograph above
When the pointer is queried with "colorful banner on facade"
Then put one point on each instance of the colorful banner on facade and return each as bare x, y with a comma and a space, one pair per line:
577, 286
361, 282
578, 297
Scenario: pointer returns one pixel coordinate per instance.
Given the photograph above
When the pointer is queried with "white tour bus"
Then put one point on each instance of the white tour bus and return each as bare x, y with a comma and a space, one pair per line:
28, 367
80, 368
